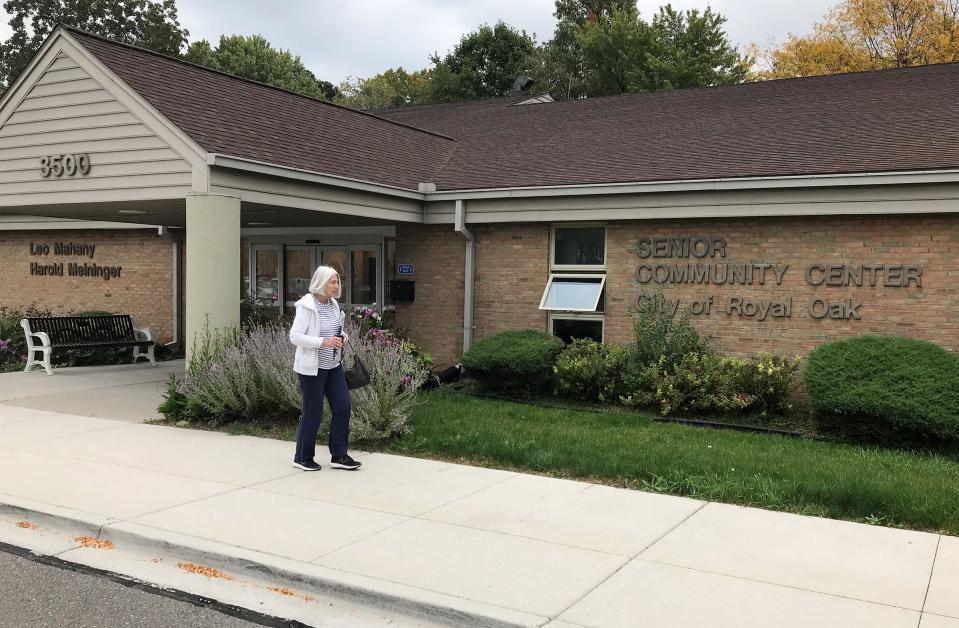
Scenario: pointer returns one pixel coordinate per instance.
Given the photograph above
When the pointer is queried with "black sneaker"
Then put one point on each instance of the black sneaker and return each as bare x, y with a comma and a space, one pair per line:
344, 462
307, 465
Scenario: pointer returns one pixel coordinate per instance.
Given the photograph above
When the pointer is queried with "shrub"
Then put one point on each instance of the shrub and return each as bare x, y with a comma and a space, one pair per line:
519, 361
254, 313
249, 376
592, 371
13, 344
912, 385
701, 382
382, 409
209, 345
770, 379
251, 379
660, 337
706, 383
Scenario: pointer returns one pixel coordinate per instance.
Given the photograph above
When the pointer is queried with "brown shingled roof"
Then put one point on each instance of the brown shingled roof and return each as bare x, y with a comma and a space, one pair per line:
241, 118
888, 120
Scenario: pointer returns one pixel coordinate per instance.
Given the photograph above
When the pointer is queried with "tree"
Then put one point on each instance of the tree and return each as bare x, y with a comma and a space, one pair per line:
862, 35
483, 65
254, 58
393, 88
623, 53
151, 24
558, 64
690, 49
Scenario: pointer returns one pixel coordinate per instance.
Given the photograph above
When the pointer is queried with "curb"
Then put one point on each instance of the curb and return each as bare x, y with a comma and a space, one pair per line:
365, 590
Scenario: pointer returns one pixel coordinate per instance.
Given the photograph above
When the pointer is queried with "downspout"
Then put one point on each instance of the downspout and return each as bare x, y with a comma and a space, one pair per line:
459, 225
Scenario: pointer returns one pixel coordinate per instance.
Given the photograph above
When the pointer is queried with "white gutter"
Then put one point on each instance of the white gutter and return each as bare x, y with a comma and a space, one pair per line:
459, 225
696, 185
427, 192
262, 167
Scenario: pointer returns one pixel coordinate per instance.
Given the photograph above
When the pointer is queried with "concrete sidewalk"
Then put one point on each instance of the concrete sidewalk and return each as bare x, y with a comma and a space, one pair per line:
472, 545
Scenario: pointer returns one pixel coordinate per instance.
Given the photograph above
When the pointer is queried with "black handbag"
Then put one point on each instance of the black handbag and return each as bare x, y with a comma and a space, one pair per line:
356, 375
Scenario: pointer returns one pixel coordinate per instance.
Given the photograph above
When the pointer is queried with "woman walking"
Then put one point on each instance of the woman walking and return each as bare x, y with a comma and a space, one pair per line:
318, 335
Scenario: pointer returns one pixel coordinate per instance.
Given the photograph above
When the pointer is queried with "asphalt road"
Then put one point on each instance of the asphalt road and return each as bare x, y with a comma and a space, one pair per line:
40, 592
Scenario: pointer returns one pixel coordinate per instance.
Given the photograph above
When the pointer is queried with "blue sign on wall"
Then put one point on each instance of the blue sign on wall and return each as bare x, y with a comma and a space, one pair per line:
404, 269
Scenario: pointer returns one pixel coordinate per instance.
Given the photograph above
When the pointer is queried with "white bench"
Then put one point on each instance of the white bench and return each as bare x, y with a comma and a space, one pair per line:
83, 332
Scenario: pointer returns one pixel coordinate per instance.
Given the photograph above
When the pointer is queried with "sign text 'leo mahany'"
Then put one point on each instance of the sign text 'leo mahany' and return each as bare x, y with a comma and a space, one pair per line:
70, 269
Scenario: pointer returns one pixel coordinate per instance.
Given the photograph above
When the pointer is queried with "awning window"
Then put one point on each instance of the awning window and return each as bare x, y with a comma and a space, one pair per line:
573, 293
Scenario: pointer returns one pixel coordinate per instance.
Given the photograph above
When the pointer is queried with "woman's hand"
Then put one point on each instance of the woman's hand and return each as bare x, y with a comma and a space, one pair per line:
333, 342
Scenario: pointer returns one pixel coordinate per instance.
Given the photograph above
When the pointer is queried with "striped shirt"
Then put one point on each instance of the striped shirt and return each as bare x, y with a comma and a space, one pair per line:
327, 358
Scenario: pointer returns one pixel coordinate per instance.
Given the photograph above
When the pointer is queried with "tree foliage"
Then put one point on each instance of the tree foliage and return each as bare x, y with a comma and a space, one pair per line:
678, 49
252, 57
483, 65
393, 88
558, 65
862, 35
151, 24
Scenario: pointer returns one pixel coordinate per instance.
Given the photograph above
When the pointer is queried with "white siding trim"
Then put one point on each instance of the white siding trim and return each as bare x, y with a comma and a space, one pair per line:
146, 113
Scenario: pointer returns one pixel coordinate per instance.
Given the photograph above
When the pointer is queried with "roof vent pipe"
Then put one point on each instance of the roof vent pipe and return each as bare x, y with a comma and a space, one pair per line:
522, 84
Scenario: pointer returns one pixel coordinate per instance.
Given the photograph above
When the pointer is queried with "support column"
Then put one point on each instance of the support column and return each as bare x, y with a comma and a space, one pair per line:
212, 263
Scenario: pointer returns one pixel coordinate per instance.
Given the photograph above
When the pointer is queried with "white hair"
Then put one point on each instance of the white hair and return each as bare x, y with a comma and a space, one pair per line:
321, 277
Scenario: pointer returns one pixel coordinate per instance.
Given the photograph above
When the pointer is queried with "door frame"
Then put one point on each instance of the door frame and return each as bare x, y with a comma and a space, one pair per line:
280, 263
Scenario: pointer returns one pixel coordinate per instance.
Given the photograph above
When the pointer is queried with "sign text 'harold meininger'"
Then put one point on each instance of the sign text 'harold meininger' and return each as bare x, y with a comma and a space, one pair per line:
70, 269
704, 265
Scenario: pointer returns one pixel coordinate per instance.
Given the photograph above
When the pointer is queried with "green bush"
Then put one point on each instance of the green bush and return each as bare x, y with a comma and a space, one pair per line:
702, 382
706, 383
769, 380
248, 376
911, 385
659, 336
514, 360
592, 371
256, 314
13, 345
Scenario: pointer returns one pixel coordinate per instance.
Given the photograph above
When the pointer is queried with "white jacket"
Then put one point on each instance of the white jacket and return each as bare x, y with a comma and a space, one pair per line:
304, 334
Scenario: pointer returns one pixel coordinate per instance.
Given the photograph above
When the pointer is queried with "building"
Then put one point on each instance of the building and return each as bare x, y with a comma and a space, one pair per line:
781, 214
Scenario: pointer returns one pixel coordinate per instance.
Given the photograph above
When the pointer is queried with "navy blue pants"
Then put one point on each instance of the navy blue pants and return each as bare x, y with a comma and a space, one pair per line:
331, 384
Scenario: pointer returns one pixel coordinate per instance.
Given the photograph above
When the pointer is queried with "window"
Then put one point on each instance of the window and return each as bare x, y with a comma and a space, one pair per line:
575, 293
578, 247
570, 326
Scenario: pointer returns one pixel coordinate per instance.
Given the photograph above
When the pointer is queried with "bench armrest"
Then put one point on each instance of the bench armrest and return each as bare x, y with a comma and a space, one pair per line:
30, 335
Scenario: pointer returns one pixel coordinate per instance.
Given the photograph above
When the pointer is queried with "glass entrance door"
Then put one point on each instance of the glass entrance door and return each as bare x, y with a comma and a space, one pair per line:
365, 275
299, 262
359, 267
267, 274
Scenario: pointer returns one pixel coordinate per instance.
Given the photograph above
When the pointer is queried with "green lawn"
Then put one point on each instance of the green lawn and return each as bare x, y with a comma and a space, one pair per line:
626, 449
886, 487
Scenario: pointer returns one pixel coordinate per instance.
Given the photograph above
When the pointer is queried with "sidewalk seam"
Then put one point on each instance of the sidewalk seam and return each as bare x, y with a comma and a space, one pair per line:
408, 519
932, 571
671, 530
628, 560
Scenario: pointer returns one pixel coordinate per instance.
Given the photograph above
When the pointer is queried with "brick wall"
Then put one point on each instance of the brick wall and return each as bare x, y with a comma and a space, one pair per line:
511, 270
144, 288
929, 312
512, 267
435, 318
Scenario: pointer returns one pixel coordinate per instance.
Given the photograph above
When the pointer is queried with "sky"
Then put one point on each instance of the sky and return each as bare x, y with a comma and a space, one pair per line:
360, 38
